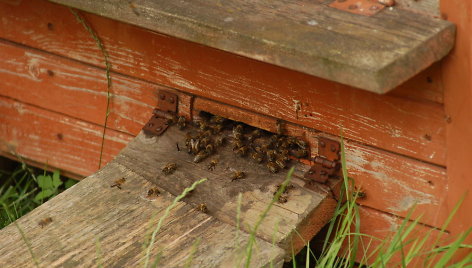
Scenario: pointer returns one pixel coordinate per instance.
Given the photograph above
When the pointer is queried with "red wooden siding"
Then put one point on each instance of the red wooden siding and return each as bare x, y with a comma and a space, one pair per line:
405, 126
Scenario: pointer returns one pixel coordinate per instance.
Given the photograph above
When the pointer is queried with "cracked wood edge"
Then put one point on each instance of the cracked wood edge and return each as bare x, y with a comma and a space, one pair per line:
306, 211
375, 53
92, 212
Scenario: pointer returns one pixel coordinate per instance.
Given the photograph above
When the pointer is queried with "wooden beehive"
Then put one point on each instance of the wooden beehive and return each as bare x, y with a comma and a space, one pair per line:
403, 110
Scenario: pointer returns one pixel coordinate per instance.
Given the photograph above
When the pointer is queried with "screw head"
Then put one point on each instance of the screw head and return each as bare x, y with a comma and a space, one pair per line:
333, 148
158, 129
162, 96
171, 100
322, 144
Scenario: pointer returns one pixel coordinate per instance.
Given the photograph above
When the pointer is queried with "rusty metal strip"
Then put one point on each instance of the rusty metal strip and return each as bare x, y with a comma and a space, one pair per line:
166, 110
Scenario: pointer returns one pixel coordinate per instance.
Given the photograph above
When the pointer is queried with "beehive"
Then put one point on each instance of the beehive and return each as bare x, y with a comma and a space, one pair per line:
405, 146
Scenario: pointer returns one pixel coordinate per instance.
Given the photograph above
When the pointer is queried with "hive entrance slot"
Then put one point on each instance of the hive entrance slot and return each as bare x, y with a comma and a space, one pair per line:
276, 151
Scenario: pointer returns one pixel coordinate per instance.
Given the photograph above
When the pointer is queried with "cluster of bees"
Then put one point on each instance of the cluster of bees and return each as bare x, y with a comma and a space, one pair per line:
273, 150
213, 132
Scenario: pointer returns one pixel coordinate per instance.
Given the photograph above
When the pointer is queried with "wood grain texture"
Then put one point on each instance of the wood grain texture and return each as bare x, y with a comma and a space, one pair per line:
147, 157
392, 183
93, 214
60, 141
457, 71
428, 7
56, 122
306, 36
387, 122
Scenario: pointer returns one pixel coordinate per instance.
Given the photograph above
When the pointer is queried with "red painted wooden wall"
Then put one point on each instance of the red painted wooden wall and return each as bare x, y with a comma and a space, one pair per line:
404, 148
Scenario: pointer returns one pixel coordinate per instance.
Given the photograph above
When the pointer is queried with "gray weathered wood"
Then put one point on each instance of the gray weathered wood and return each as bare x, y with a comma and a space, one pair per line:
146, 156
375, 53
92, 214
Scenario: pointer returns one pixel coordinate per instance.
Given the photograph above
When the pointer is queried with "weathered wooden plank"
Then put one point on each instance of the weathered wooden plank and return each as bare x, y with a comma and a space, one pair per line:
92, 214
60, 141
147, 157
44, 151
457, 71
426, 86
429, 7
76, 149
309, 37
395, 124
392, 183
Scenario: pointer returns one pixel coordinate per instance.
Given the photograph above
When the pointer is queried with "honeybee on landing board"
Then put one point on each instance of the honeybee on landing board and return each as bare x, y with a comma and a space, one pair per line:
118, 183
42, 223
169, 168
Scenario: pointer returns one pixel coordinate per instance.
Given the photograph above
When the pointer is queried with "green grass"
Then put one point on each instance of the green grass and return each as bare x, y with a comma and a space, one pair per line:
106, 60
411, 250
24, 188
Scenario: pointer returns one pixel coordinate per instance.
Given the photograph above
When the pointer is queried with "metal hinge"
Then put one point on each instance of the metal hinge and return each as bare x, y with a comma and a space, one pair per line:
326, 164
161, 116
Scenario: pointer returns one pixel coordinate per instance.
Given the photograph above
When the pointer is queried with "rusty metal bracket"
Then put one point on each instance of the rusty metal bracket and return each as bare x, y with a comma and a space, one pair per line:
326, 164
166, 110
361, 7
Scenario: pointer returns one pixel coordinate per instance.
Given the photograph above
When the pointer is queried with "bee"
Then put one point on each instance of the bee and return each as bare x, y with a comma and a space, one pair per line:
272, 167
284, 153
281, 163
194, 146
273, 139
258, 157
204, 142
300, 153
169, 168
133, 8
206, 134
237, 144
254, 135
359, 193
181, 122
118, 183
237, 175
200, 156
238, 129
202, 124
216, 128
271, 155
241, 151
42, 223
219, 141
217, 119
301, 143
282, 144
212, 165
202, 208
283, 199
153, 192
209, 149
287, 188
238, 136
